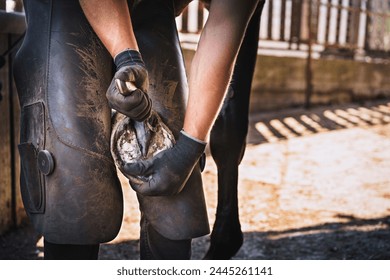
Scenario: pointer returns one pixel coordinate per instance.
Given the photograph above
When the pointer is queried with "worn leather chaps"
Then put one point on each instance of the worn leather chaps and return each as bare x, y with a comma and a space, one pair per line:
69, 184
181, 216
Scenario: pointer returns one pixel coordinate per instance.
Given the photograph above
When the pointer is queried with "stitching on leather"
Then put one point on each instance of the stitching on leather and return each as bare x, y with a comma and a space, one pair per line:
65, 142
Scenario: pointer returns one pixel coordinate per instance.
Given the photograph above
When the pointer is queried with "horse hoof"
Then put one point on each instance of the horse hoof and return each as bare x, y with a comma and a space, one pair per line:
224, 249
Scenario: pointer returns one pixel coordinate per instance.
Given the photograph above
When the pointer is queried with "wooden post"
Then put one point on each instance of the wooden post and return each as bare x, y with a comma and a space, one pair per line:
296, 13
18, 213
282, 21
11, 206
338, 21
368, 23
328, 10
269, 25
309, 67
200, 16
6, 220
353, 23
184, 21
305, 15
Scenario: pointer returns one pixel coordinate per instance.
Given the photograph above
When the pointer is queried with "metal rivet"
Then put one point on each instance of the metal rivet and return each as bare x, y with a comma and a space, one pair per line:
45, 162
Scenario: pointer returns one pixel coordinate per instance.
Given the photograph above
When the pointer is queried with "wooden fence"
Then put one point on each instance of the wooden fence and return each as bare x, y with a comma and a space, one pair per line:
349, 27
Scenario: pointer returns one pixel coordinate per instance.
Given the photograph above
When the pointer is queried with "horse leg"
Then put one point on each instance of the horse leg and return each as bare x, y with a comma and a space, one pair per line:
227, 143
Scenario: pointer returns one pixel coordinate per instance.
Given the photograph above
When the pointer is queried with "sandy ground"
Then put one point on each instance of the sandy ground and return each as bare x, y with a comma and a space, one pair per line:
314, 184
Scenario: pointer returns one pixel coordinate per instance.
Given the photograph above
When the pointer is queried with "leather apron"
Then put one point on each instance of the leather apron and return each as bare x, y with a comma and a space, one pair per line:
182, 216
69, 183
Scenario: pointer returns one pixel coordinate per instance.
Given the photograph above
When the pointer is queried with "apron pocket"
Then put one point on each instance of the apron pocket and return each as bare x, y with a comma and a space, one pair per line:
32, 183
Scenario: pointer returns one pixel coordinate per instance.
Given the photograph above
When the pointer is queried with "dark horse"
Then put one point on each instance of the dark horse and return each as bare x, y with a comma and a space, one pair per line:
228, 141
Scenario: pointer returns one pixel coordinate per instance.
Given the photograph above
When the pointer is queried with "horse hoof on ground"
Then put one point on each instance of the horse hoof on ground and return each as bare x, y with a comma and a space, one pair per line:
224, 246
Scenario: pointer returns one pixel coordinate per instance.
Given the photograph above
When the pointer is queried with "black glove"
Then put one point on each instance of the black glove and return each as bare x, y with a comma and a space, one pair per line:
127, 92
167, 172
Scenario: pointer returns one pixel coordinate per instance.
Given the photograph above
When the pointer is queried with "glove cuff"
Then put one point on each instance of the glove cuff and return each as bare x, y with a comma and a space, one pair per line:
194, 148
128, 57
193, 138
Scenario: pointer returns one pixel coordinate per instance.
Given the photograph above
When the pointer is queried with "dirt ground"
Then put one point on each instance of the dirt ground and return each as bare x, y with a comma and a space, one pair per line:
314, 184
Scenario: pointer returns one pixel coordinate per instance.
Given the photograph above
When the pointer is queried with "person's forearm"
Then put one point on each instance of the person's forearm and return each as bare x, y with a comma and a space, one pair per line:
110, 19
213, 62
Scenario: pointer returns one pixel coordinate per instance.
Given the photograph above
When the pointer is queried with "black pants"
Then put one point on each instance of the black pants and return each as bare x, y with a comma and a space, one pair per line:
153, 246
70, 252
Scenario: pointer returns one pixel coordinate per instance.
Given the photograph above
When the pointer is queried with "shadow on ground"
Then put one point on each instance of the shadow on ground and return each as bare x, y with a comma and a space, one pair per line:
355, 239
281, 125
350, 237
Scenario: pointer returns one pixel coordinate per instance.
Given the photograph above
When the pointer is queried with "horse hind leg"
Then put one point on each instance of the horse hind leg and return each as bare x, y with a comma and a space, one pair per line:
227, 144
226, 237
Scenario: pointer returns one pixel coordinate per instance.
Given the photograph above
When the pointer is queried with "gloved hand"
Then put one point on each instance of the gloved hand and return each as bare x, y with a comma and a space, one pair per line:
167, 172
132, 102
